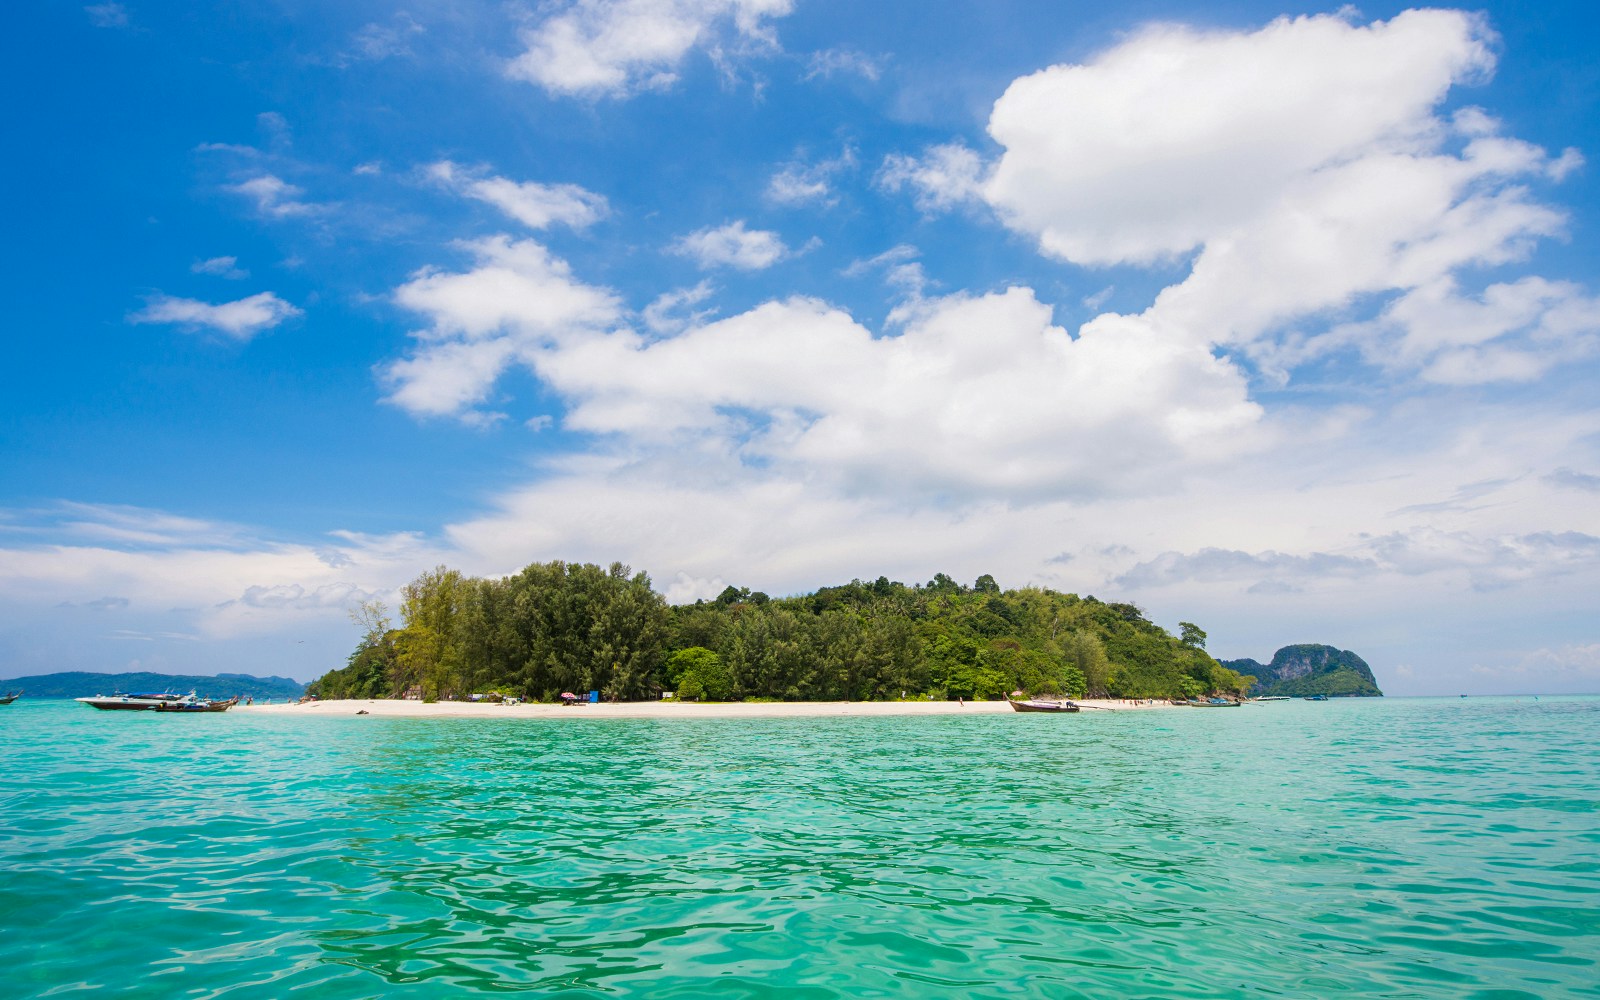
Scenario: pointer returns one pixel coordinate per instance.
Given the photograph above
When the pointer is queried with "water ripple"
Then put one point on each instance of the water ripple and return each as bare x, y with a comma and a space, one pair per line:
1385, 849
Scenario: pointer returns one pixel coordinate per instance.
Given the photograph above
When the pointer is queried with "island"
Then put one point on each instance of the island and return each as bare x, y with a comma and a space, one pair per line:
567, 629
85, 684
1308, 670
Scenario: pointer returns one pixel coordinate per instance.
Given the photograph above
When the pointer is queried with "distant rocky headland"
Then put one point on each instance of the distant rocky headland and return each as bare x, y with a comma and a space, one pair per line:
1310, 669
82, 684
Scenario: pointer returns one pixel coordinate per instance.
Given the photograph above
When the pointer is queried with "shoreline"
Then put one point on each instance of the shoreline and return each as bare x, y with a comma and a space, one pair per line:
398, 708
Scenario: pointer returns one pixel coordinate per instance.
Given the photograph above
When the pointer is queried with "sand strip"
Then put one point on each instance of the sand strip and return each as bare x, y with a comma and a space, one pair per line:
664, 709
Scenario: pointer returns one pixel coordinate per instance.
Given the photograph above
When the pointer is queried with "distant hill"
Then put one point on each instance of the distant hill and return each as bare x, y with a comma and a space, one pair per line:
1310, 669
81, 684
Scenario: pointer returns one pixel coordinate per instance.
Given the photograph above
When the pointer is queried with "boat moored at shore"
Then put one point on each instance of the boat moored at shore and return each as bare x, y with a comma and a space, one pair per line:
146, 702
198, 705
1041, 705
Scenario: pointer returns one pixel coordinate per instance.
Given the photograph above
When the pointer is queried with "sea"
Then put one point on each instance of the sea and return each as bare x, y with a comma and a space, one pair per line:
1360, 848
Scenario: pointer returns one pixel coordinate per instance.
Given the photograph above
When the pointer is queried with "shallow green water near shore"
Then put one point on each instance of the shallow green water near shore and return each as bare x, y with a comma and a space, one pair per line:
1397, 848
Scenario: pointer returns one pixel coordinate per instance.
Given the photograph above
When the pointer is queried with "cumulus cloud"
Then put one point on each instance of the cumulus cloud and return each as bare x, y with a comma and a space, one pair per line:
1168, 140
971, 433
733, 246
1307, 168
537, 206
977, 395
517, 298
942, 178
241, 319
597, 48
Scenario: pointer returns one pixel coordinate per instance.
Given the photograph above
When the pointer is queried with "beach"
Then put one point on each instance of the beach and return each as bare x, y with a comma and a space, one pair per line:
662, 709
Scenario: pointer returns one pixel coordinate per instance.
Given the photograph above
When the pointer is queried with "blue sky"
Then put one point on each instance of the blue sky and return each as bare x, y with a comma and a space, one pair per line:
1280, 319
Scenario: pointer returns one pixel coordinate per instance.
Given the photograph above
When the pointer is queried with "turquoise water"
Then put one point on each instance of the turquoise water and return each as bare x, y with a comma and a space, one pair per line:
1395, 848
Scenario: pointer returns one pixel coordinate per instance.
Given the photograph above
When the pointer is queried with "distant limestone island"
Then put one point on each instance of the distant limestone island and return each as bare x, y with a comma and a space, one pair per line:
83, 684
1309, 669
560, 631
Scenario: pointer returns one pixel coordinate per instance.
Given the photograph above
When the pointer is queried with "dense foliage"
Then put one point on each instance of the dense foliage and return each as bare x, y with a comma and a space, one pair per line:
559, 627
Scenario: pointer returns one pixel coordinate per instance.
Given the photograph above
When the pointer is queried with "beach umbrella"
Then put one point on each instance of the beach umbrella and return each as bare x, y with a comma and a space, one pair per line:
568, 696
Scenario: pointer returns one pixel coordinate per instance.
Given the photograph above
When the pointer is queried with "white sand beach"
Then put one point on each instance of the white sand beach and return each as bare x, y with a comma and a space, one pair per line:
662, 709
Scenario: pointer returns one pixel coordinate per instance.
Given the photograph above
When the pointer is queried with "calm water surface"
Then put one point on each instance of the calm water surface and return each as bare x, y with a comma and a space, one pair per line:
1395, 848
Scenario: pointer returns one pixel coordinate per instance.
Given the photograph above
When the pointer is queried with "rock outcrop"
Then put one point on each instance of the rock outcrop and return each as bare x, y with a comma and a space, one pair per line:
1310, 669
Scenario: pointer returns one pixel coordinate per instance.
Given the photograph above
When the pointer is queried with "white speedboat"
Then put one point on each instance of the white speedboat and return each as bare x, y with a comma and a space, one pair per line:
136, 702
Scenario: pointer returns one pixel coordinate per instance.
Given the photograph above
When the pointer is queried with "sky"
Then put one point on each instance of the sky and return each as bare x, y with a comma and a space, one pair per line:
1283, 320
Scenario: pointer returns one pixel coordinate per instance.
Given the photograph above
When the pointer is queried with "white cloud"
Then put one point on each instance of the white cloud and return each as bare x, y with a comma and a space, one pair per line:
219, 588
222, 267
1481, 562
537, 206
107, 15
789, 444
1307, 168
1512, 332
515, 300
615, 47
831, 61
673, 312
241, 319
1580, 661
377, 40
800, 183
1569, 479
733, 246
1173, 137
274, 197
978, 396
942, 178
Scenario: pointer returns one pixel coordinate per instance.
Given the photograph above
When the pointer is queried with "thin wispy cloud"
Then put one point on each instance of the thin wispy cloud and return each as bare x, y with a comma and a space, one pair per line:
274, 197
535, 205
221, 267
241, 320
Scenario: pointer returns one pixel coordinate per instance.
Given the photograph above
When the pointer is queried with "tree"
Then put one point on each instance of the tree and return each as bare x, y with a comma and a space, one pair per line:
373, 617
429, 646
1193, 635
698, 672
1084, 651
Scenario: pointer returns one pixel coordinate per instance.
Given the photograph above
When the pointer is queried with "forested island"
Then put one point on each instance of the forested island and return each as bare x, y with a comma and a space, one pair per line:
567, 627
1310, 669
83, 684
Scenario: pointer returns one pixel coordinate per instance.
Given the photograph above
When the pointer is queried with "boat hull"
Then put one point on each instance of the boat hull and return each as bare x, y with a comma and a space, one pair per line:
1043, 706
199, 706
136, 702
